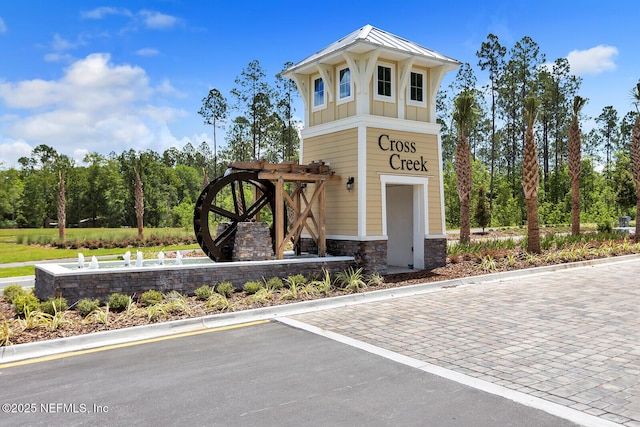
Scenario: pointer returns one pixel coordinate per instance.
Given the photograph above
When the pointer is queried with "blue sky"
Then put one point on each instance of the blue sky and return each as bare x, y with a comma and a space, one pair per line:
99, 76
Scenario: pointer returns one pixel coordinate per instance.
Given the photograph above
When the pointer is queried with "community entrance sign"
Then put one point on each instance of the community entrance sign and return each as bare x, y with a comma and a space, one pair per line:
370, 113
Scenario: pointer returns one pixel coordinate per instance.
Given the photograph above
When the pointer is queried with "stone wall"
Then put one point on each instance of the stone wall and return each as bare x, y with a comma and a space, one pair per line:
52, 280
435, 253
252, 242
371, 255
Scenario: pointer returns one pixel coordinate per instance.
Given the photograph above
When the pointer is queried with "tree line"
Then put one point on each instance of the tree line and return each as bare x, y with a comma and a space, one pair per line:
484, 128
484, 138
136, 188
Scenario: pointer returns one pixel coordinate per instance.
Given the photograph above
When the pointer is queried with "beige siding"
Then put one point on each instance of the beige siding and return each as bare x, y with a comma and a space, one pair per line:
340, 149
418, 114
378, 162
346, 109
335, 111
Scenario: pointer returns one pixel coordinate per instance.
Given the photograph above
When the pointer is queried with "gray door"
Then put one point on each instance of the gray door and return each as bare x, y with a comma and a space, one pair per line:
399, 225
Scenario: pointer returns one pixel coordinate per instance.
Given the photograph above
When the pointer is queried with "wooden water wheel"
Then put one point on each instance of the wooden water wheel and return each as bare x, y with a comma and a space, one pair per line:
207, 211
257, 187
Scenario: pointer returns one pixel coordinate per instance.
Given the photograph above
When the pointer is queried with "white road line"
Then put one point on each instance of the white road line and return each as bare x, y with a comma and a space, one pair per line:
552, 408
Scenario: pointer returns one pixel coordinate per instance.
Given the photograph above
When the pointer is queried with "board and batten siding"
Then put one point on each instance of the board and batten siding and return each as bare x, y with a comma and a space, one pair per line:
340, 150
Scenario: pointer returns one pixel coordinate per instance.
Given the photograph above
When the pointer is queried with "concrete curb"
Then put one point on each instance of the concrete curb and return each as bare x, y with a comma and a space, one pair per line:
18, 352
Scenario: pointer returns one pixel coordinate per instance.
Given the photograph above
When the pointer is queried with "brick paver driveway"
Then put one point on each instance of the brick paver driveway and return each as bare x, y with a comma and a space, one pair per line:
571, 337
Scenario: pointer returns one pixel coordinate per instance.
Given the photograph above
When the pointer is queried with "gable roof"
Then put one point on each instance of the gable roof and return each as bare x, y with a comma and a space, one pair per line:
370, 38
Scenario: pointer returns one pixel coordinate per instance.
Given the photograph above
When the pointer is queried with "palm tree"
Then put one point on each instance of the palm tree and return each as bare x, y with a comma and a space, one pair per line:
139, 204
463, 116
62, 207
635, 153
531, 176
574, 147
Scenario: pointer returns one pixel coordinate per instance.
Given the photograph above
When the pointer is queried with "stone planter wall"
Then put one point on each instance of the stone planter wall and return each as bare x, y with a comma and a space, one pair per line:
56, 280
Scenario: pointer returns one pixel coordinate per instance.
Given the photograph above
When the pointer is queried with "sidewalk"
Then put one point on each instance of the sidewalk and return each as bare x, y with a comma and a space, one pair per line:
571, 337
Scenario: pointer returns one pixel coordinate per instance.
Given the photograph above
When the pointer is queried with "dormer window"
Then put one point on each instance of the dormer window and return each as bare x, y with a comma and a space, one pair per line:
416, 89
319, 99
345, 85
384, 90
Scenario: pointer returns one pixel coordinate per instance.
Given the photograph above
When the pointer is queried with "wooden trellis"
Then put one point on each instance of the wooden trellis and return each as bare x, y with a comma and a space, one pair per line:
317, 173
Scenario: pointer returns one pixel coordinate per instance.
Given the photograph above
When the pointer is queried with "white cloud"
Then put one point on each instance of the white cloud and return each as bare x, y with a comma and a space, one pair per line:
157, 20
96, 106
147, 51
61, 44
3, 27
79, 155
11, 150
166, 88
101, 12
58, 57
593, 61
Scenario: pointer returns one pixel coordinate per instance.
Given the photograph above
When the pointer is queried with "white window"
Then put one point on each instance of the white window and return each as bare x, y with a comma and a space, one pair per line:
345, 85
319, 99
385, 77
416, 94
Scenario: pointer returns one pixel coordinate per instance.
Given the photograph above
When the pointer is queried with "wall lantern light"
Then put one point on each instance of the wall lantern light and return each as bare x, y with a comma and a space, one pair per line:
350, 182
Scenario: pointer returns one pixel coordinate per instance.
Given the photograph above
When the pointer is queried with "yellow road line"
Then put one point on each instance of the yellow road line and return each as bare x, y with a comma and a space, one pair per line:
126, 344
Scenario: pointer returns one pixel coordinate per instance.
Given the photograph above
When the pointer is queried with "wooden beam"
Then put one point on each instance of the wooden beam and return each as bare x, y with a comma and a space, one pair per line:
319, 189
322, 235
297, 192
292, 177
313, 219
279, 219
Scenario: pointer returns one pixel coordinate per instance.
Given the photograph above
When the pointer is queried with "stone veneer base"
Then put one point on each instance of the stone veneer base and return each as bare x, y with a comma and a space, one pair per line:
371, 255
75, 284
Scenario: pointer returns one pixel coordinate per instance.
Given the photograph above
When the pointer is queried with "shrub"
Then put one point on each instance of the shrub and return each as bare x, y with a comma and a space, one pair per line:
325, 284
375, 279
54, 305
6, 331
262, 296
156, 312
226, 289
12, 291
275, 284
219, 302
352, 280
87, 306
204, 292
252, 287
605, 225
25, 302
297, 280
119, 302
150, 297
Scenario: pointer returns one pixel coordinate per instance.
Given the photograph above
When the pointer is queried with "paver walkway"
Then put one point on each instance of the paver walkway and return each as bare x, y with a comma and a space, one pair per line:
571, 337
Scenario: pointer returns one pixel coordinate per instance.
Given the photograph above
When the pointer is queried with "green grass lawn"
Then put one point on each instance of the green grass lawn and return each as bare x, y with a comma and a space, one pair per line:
14, 247
48, 235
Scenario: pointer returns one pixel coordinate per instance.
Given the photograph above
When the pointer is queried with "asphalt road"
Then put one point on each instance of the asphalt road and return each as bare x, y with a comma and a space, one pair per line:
262, 375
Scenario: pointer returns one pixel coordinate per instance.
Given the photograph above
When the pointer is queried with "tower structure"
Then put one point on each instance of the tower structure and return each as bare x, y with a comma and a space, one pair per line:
370, 112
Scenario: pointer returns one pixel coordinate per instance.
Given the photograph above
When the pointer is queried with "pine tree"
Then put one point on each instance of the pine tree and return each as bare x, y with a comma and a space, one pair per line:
482, 213
575, 159
491, 56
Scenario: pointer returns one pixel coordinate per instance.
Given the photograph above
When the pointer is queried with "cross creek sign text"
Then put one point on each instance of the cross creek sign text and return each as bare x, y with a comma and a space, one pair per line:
399, 149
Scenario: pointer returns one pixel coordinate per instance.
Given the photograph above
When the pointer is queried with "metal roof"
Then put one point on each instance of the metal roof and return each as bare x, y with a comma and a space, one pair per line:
370, 38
